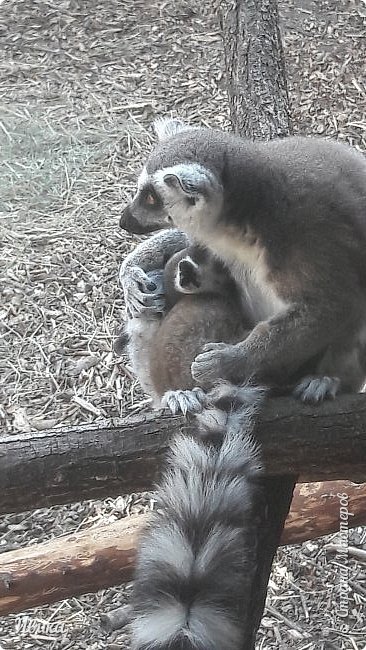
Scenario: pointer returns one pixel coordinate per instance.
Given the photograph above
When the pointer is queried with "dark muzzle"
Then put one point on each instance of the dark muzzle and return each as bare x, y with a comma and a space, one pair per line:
129, 223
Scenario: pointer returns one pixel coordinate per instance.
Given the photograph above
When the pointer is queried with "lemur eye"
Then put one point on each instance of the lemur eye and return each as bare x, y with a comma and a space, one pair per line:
150, 199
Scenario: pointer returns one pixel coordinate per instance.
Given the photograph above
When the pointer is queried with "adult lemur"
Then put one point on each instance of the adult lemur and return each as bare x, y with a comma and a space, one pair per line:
288, 218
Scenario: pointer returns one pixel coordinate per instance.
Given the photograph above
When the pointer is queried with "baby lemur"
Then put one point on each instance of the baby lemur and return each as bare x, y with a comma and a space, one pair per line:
201, 302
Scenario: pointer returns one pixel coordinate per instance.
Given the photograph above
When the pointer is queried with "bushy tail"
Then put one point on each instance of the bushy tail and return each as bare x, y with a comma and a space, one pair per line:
197, 557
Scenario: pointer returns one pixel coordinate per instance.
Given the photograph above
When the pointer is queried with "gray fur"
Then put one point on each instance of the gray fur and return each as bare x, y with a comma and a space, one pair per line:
230, 395
141, 327
200, 304
166, 127
149, 255
195, 560
141, 334
288, 217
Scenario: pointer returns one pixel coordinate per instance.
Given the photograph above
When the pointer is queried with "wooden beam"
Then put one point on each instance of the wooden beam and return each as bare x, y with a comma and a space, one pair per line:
92, 461
316, 509
101, 557
76, 564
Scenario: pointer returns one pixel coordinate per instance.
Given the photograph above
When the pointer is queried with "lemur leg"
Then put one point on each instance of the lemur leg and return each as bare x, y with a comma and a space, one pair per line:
341, 370
142, 332
184, 401
150, 255
275, 349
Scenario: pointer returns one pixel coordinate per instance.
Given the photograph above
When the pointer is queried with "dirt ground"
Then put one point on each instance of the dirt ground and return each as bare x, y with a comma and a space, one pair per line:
80, 82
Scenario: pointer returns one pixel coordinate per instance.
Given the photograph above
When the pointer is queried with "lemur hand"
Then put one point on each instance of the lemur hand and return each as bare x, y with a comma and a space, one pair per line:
216, 361
143, 292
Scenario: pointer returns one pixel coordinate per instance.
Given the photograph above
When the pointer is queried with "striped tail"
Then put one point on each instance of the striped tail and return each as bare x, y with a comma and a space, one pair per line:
197, 558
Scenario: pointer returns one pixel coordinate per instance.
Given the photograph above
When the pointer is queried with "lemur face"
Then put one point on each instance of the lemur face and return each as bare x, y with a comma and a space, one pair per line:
176, 189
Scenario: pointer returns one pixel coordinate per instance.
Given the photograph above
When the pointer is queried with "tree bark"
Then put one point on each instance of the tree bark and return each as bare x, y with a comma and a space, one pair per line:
255, 68
259, 109
316, 509
93, 461
68, 566
102, 557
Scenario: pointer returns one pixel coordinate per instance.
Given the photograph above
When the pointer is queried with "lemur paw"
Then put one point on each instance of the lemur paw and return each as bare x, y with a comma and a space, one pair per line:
184, 401
143, 292
313, 390
216, 361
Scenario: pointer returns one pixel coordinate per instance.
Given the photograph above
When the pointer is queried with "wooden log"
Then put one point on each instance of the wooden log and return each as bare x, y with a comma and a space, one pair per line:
84, 562
92, 461
315, 509
100, 557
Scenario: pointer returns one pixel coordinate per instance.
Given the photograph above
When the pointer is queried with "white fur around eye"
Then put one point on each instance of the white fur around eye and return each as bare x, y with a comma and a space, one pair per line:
142, 180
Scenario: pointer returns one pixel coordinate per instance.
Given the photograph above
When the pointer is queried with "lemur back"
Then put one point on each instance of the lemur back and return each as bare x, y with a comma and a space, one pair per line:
202, 306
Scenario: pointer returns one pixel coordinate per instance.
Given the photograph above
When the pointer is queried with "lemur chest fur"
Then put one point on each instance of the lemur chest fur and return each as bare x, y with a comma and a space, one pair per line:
248, 266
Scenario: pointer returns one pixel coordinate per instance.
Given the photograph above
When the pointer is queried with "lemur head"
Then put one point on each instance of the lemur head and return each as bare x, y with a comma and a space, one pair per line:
180, 185
195, 270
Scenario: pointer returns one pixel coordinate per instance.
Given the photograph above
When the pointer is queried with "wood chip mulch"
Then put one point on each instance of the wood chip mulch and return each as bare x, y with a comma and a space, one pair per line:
81, 81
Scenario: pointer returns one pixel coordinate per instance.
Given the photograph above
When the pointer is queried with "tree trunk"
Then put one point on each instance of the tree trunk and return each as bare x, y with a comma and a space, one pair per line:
94, 461
255, 69
102, 557
259, 109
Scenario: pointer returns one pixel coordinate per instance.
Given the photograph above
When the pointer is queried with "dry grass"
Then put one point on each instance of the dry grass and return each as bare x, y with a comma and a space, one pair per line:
80, 83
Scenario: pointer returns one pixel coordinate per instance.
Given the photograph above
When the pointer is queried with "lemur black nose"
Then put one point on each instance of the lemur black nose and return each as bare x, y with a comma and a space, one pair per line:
128, 222
125, 218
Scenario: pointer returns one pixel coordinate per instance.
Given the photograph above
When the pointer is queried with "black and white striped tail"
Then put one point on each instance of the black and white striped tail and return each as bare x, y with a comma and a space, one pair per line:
197, 557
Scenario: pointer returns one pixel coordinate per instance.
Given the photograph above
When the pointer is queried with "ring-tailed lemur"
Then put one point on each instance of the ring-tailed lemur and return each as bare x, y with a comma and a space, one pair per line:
201, 305
288, 218
247, 204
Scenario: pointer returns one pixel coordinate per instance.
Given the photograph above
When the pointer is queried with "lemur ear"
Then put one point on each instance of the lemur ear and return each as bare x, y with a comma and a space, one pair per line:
184, 185
175, 182
188, 278
190, 178
165, 127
